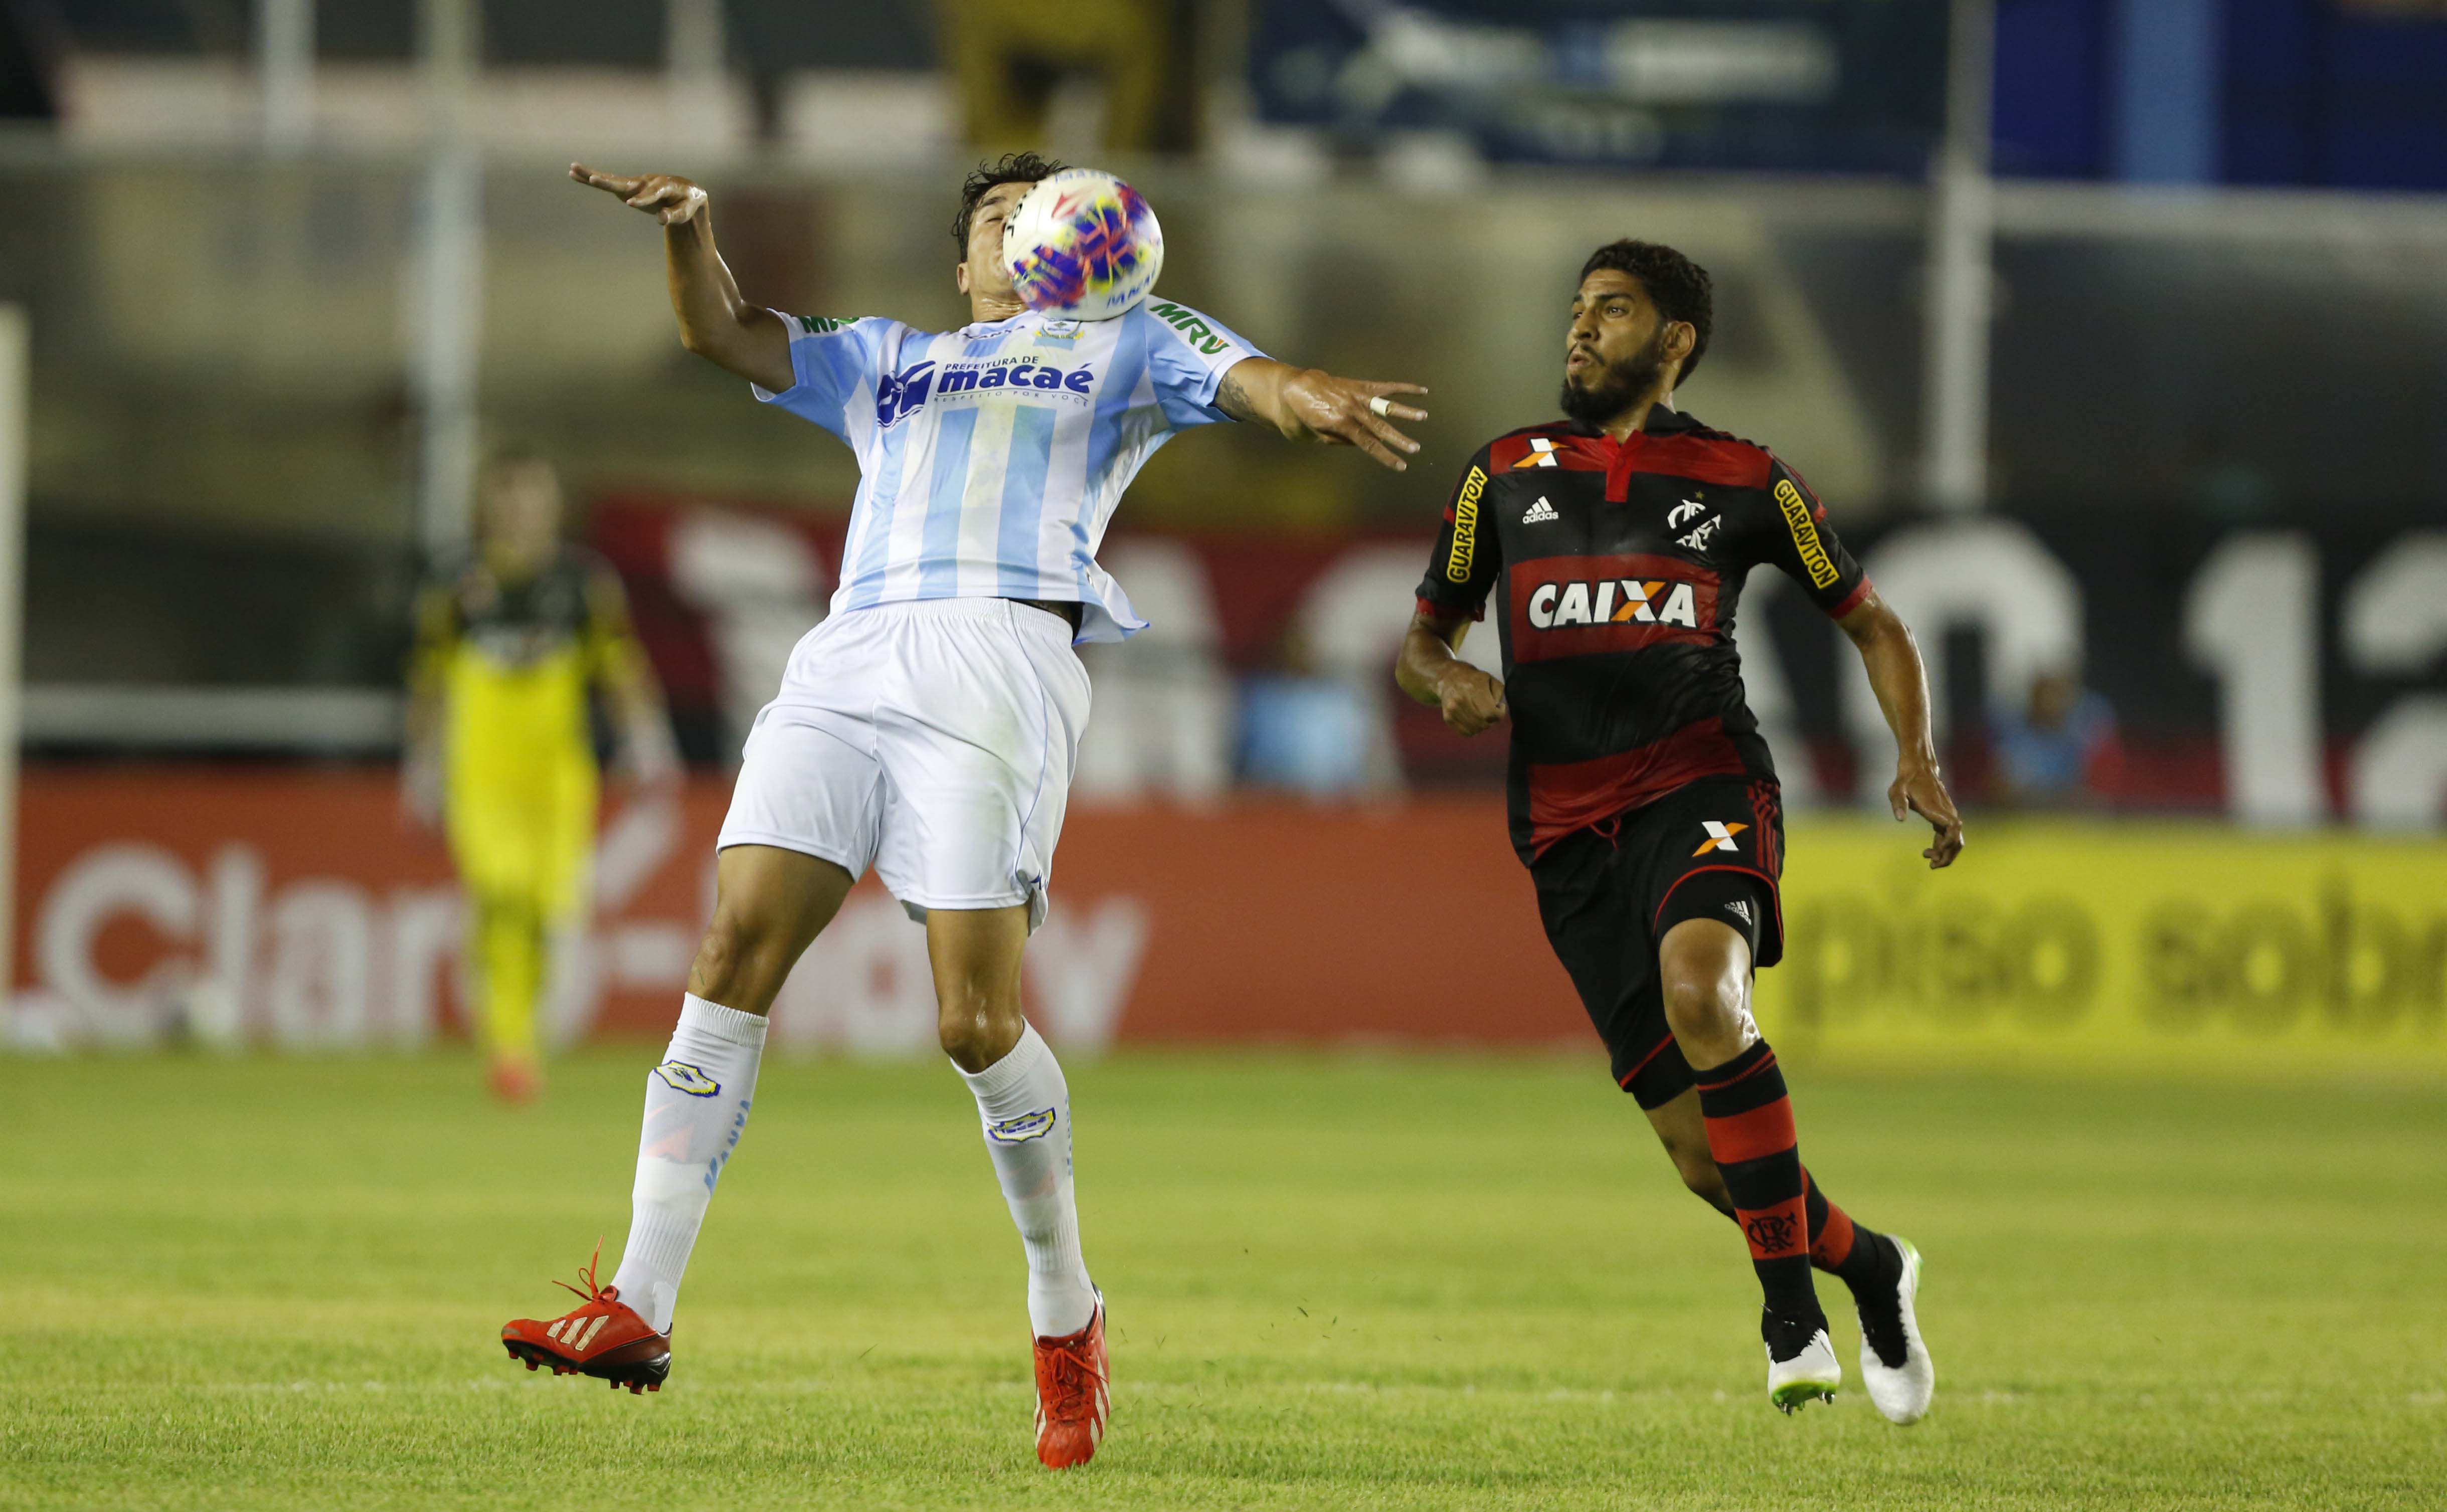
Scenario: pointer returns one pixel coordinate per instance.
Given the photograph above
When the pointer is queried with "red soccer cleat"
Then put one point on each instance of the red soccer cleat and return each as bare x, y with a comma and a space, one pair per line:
604, 1339
514, 1082
1073, 1394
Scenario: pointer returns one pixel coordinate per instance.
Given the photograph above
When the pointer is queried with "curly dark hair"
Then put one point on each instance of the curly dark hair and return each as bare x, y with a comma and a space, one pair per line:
1679, 287
1012, 167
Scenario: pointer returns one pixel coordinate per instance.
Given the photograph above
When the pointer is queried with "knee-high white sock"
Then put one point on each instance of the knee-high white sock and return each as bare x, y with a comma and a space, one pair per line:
696, 1107
1026, 1105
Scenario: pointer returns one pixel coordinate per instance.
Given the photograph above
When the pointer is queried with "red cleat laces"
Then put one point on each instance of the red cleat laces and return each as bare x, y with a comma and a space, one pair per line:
604, 1337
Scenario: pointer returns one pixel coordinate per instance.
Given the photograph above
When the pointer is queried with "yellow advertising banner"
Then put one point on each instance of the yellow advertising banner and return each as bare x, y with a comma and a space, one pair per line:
2103, 941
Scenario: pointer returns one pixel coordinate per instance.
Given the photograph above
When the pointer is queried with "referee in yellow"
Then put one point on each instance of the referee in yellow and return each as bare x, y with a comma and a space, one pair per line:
510, 640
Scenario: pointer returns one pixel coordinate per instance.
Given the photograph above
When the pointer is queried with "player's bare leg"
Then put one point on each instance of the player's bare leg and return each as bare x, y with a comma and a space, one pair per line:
771, 903
1704, 974
1685, 1134
1025, 1106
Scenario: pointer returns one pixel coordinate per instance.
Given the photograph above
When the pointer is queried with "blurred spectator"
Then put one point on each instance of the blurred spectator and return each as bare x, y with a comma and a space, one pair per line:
1303, 731
1009, 56
2060, 750
1163, 725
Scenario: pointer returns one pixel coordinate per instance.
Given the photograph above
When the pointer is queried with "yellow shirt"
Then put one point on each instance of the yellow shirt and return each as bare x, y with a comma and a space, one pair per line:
514, 657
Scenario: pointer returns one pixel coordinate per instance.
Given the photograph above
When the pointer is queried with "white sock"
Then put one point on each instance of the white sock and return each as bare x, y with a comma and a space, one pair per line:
1027, 1109
696, 1107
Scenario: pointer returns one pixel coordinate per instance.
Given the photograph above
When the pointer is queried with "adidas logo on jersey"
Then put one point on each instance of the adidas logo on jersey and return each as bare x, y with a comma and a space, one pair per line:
1540, 513
1740, 908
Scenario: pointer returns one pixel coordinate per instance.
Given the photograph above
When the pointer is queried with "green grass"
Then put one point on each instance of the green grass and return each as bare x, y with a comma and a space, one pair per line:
1336, 1283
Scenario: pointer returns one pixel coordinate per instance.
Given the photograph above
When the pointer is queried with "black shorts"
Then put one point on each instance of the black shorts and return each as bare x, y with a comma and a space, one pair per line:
1713, 849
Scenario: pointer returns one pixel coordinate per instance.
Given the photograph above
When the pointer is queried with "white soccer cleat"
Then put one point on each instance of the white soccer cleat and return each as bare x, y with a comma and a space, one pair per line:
1895, 1367
1801, 1364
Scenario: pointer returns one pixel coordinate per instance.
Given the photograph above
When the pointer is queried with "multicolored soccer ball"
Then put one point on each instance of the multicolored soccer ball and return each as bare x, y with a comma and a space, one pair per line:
1083, 245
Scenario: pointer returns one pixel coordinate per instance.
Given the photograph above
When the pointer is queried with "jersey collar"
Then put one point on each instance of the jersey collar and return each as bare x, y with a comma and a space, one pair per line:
994, 328
1661, 422
1619, 454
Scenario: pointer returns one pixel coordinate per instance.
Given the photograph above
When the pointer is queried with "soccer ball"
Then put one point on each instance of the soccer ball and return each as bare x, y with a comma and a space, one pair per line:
1083, 245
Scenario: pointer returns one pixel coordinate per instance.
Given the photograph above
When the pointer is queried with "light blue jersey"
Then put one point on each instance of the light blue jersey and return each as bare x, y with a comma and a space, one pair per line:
991, 457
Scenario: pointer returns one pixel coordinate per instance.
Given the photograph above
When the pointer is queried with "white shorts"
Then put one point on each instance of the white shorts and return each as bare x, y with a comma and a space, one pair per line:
932, 740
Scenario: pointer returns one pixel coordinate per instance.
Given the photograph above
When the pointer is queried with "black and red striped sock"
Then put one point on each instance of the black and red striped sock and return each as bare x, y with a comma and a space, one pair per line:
1861, 1257
1750, 1133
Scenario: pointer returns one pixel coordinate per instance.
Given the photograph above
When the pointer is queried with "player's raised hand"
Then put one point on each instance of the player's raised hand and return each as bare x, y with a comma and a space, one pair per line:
668, 199
1919, 790
1352, 412
1306, 405
1469, 699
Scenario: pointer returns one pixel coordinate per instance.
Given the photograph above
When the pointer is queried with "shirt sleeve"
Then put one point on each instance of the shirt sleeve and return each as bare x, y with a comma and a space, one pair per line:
1801, 542
436, 635
1187, 354
1467, 558
612, 651
832, 363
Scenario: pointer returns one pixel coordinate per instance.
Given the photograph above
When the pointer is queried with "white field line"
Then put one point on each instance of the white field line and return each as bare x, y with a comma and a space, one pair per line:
2147, 1399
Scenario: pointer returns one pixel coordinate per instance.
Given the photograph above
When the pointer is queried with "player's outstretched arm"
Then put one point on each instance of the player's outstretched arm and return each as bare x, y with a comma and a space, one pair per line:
1430, 672
716, 322
421, 778
649, 755
1893, 660
1306, 405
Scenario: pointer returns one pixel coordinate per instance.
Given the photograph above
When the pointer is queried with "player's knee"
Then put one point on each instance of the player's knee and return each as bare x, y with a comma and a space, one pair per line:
963, 1038
976, 1028
971, 1038
727, 957
1700, 1006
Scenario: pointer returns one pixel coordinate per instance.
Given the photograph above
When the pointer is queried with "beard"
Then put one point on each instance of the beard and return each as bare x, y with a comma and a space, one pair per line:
1599, 395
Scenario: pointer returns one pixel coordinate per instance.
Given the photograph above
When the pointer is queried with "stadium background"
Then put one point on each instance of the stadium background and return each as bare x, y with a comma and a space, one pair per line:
2112, 331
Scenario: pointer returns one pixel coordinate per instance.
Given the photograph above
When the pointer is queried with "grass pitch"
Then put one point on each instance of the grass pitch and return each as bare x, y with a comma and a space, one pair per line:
1336, 1283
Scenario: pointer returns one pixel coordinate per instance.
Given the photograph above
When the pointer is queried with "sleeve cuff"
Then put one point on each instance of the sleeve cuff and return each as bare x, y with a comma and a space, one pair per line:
1435, 611
1851, 600
1214, 384
798, 375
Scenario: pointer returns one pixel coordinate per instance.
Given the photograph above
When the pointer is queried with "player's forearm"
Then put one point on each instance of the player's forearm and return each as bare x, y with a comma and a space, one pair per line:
636, 698
420, 766
1253, 391
638, 704
1304, 404
1427, 655
716, 321
633, 698
421, 721
1891, 658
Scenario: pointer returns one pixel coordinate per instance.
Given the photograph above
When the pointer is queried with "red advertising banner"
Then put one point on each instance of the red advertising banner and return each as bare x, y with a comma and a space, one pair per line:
299, 910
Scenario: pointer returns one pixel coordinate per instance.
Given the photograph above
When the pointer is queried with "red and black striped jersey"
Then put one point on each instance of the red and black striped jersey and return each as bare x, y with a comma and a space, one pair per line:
1616, 570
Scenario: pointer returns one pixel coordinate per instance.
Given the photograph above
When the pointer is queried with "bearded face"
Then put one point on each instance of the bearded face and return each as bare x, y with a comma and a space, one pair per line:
1598, 390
